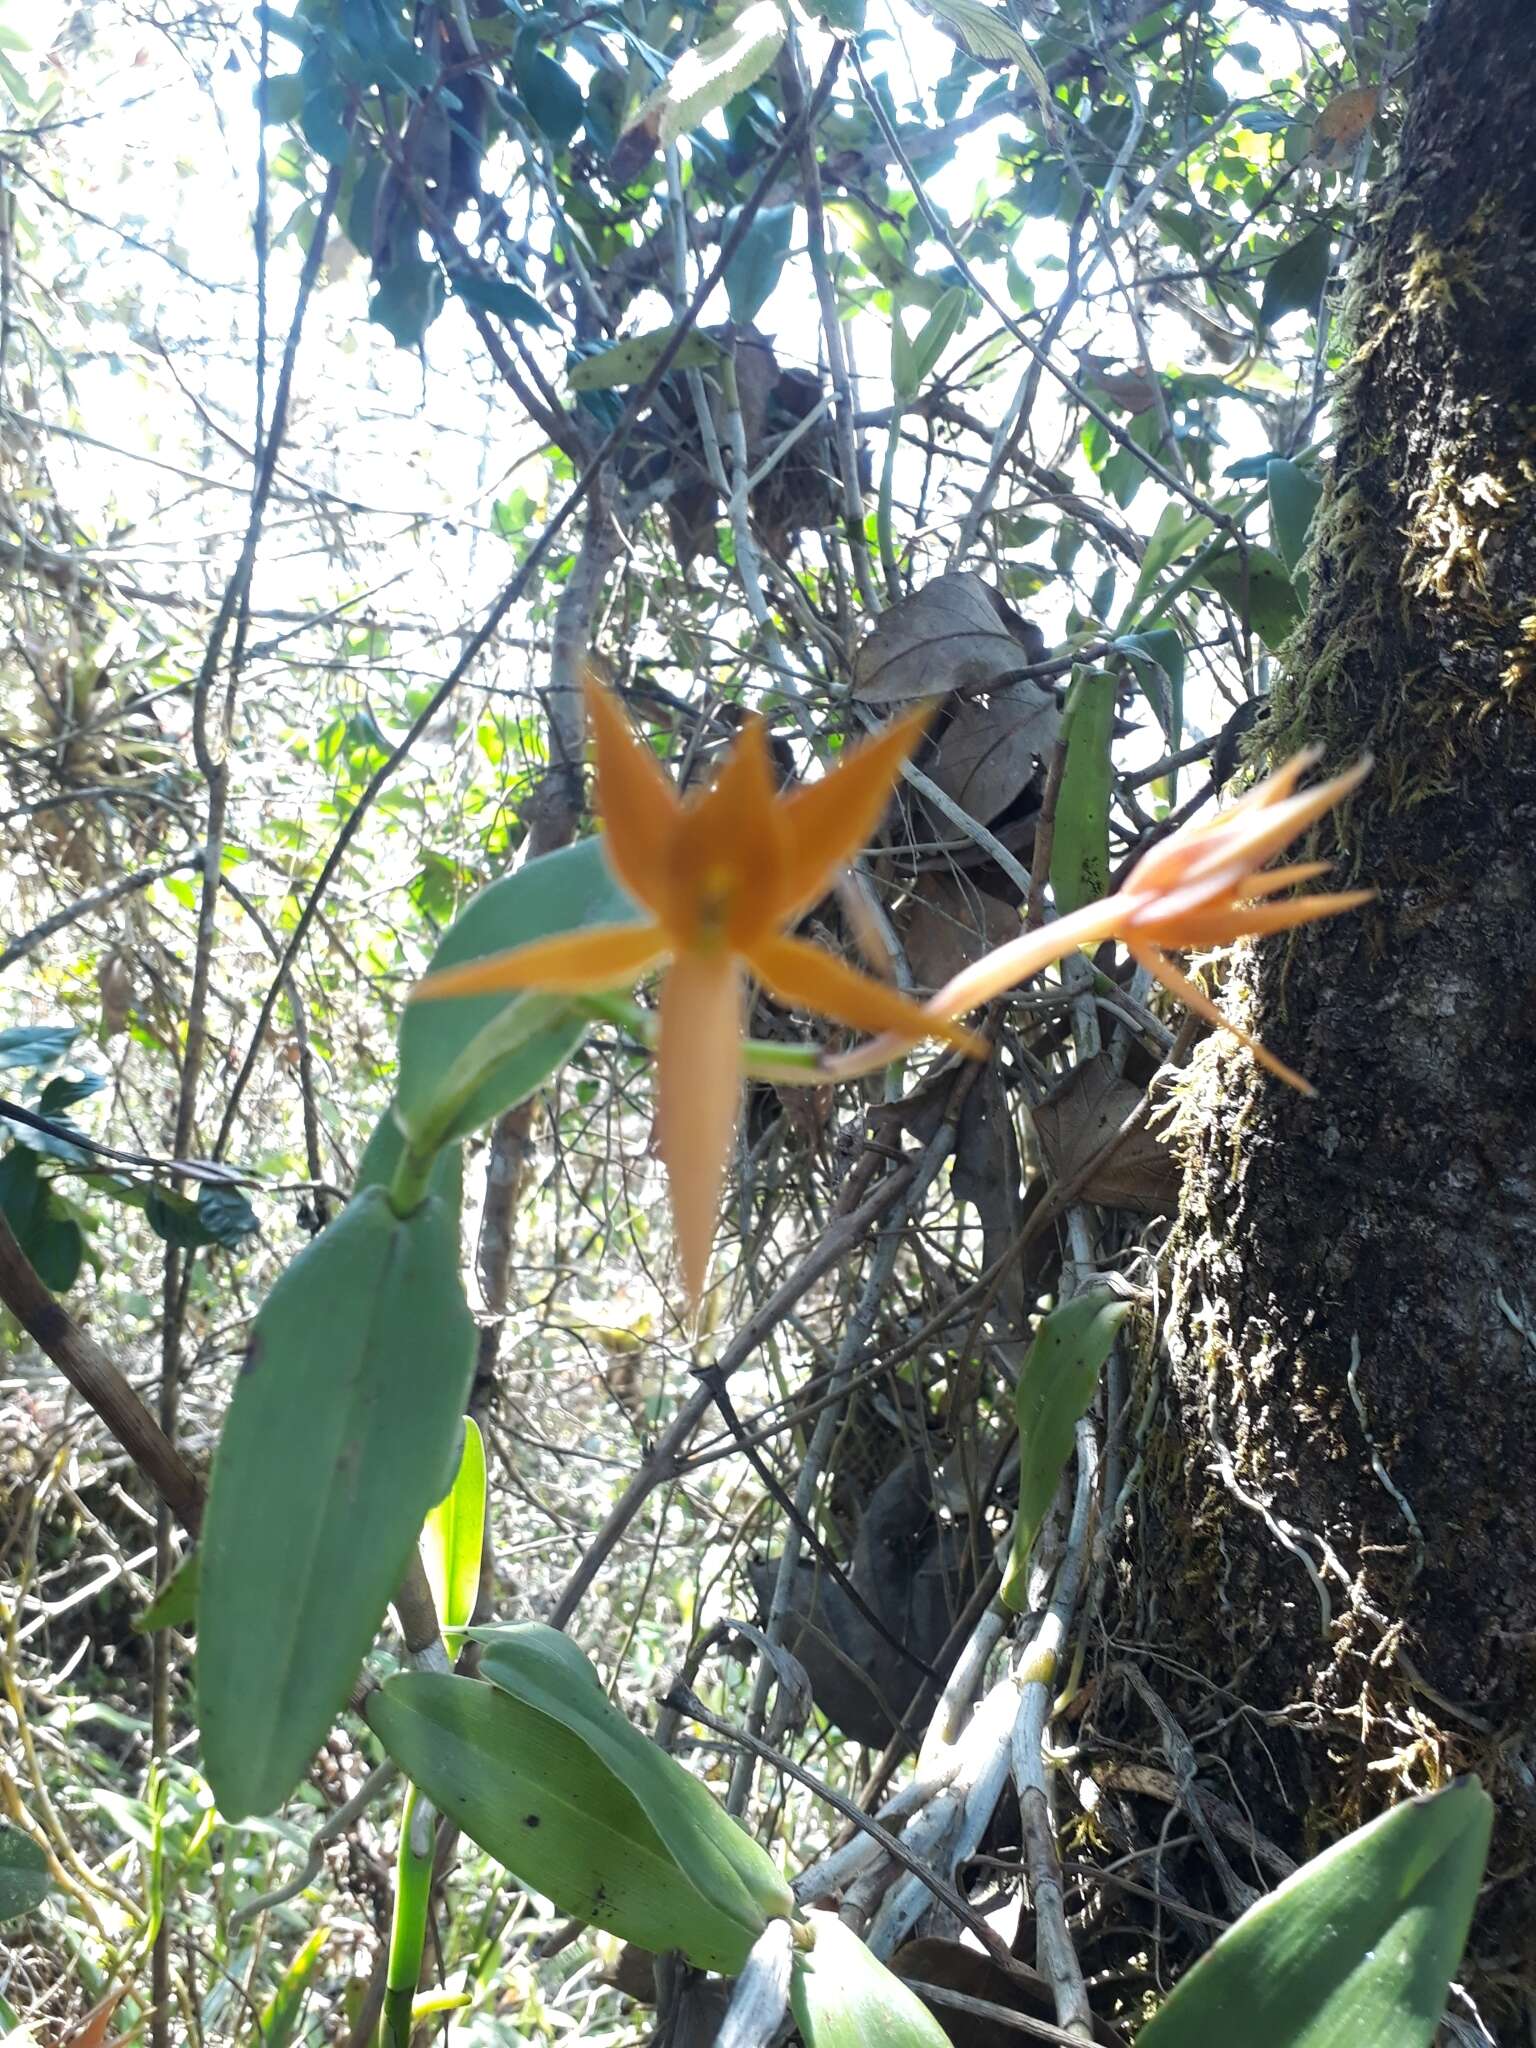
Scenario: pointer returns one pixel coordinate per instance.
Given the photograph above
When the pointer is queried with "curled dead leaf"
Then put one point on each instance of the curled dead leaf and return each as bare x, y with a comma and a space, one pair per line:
955, 633
1081, 1117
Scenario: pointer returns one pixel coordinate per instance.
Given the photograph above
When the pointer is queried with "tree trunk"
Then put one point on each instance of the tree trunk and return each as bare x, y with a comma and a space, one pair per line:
1336, 1525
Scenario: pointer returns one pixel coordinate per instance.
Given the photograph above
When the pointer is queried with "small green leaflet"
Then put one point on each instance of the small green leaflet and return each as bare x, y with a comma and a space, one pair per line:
175, 1605
452, 1539
1080, 849
758, 263
843, 1997
1295, 280
285, 2008
1056, 1384
551, 95
913, 361
632, 361
1294, 494
337, 1441
499, 295
1355, 1950
535, 1797
24, 1875
1255, 583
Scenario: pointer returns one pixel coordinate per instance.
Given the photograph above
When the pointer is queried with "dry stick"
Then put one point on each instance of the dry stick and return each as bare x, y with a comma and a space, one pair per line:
94, 899
665, 1462
519, 583
98, 1381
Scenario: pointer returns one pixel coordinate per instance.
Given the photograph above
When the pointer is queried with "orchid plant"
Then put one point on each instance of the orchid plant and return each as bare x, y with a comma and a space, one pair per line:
723, 873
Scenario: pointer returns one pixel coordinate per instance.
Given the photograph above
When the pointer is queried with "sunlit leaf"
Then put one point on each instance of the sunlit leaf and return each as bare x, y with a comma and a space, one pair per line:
535, 1797
25, 1879
453, 1539
1355, 1950
545, 1670
1255, 583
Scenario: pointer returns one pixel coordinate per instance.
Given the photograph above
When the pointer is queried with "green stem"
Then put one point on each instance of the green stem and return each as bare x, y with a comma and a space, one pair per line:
885, 516
408, 1934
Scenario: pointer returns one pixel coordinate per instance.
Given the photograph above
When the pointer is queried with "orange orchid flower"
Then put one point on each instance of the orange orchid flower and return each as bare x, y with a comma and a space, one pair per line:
722, 874
1203, 886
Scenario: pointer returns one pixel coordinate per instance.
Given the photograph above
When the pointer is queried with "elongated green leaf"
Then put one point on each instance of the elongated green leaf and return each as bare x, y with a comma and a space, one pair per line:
284, 2009
1255, 583
1356, 1950
758, 263
1157, 660
703, 79
1294, 282
1174, 535
550, 94
535, 1797
437, 1098
1056, 1384
546, 1671
337, 1442
24, 1877
631, 361
1080, 849
176, 1602
843, 1997
1293, 500
452, 1538
913, 361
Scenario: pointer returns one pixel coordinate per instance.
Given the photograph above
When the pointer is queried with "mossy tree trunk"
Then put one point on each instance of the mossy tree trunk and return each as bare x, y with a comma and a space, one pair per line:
1337, 1527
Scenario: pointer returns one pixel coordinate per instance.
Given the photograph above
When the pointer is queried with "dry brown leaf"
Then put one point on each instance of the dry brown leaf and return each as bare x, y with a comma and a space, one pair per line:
1081, 1117
987, 753
947, 925
1337, 131
953, 634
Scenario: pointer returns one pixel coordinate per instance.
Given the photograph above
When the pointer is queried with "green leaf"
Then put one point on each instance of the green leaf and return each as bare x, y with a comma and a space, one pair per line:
453, 1538
50, 1240
175, 1605
754, 270
631, 361
1080, 849
35, 1045
500, 296
1056, 1384
280, 2019
408, 300
62, 1094
1254, 582
551, 95
174, 1217
913, 362
545, 1670
1355, 1950
1157, 661
338, 1437
533, 1795
843, 1997
446, 1085
1294, 494
1295, 280
703, 79
225, 1213
24, 1877
1173, 534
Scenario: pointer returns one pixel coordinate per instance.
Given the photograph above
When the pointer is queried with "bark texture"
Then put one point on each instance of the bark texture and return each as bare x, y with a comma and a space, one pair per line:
1336, 1533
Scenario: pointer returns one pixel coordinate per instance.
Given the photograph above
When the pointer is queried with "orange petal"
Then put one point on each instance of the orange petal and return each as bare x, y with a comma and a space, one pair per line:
1270, 881
1256, 836
698, 1095
1179, 984
570, 964
1251, 920
639, 806
813, 979
826, 822
1008, 965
